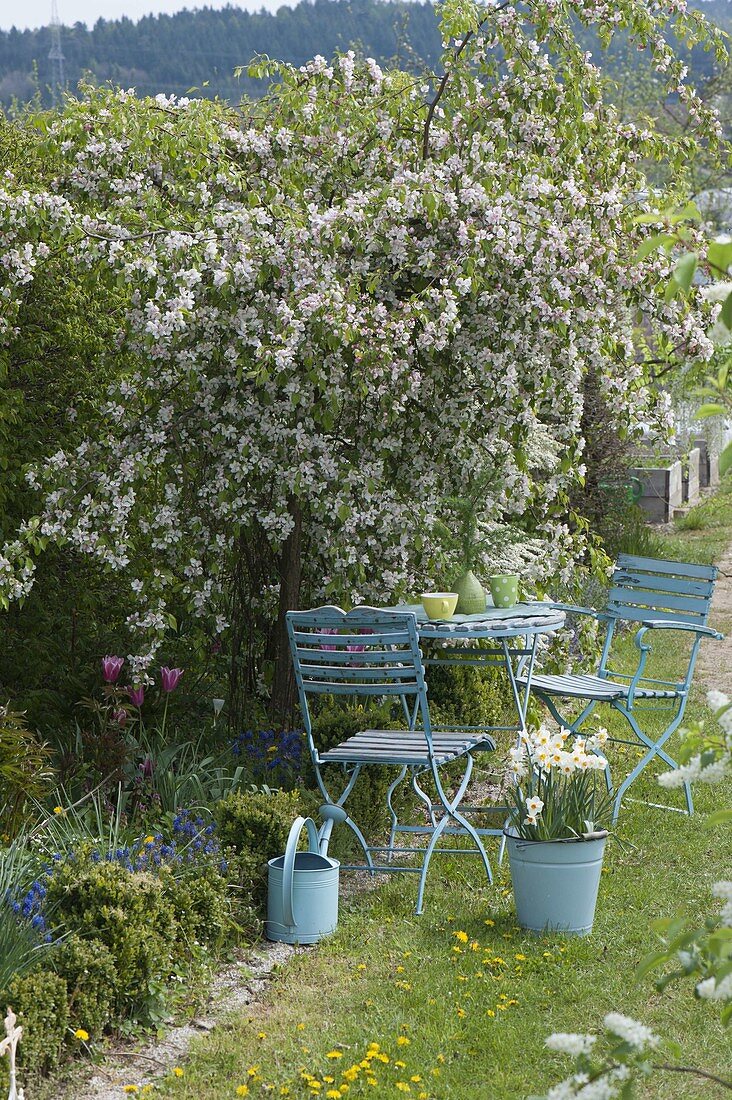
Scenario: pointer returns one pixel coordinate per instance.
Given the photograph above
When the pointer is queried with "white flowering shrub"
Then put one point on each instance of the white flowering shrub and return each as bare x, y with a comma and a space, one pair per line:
344, 301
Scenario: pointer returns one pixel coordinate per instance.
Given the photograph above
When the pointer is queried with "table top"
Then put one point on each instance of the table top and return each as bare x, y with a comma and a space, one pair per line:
494, 622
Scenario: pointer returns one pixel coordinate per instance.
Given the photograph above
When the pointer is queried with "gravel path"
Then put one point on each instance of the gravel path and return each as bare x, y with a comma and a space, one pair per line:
714, 665
236, 986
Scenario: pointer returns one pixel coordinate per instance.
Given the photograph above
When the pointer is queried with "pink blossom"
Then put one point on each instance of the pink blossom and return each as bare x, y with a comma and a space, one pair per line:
111, 668
170, 678
136, 695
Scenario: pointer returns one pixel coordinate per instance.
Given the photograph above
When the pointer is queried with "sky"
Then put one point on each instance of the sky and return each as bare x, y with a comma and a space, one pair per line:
37, 13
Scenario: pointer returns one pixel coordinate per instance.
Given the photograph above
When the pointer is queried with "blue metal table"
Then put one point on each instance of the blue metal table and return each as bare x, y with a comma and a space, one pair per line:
516, 632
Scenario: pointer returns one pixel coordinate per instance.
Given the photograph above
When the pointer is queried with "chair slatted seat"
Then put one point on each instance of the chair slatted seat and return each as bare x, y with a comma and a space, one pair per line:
369, 652
654, 595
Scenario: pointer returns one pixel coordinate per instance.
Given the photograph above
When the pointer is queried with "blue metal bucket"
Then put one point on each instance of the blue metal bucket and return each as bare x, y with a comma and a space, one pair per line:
302, 894
555, 883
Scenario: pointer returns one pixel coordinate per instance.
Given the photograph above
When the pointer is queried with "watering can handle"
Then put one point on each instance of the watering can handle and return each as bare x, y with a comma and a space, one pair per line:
288, 866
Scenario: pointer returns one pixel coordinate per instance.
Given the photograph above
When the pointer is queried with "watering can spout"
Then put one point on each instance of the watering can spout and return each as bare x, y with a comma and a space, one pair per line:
331, 815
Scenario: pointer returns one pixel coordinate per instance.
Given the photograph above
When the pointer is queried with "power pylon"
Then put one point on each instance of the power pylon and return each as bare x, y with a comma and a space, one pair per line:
56, 57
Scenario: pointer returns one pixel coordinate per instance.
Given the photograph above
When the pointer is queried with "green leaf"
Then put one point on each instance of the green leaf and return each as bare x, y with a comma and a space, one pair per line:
659, 240
685, 269
713, 409
726, 314
725, 459
649, 963
719, 255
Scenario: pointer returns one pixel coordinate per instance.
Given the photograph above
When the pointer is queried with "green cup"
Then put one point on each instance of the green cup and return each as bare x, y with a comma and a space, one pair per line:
504, 590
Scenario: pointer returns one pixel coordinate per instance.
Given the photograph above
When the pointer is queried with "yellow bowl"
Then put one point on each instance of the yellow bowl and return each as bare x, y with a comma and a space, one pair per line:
439, 605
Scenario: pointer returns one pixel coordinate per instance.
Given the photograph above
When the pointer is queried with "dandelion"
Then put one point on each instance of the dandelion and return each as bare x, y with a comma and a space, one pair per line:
461, 937
81, 1034
59, 810
131, 1089
334, 1054
177, 1072
403, 1041
243, 1090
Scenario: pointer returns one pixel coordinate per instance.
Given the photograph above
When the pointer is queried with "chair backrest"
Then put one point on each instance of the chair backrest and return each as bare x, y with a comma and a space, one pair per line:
361, 652
649, 588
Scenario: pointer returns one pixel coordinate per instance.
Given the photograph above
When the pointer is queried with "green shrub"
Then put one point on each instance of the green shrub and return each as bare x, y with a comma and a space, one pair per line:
129, 913
202, 907
40, 1001
468, 696
91, 979
256, 825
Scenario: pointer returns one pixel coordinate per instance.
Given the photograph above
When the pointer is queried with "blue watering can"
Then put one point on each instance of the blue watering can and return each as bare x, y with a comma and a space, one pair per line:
302, 894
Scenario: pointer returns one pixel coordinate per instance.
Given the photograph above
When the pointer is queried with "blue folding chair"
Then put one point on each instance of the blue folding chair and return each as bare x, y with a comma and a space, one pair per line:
658, 595
368, 652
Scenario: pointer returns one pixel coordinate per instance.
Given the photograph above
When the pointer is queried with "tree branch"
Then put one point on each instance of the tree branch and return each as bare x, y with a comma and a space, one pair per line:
696, 1072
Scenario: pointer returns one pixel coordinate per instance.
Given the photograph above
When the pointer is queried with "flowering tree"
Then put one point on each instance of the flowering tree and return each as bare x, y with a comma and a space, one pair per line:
343, 304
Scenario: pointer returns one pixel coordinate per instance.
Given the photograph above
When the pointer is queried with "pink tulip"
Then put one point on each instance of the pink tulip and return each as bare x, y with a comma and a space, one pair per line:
170, 678
111, 668
137, 695
329, 630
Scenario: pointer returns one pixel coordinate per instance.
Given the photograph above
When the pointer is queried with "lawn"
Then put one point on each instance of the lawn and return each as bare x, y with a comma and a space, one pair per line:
457, 1003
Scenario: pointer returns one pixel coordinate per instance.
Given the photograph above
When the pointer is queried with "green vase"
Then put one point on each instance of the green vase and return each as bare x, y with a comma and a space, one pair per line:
471, 594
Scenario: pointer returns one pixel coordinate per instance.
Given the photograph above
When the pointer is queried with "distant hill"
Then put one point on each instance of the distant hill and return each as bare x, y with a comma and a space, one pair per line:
174, 53
200, 49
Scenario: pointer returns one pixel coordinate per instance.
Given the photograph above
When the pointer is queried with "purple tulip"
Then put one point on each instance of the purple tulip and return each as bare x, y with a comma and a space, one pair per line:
170, 678
329, 630
136, 695
111, 668
120, 717
147, 768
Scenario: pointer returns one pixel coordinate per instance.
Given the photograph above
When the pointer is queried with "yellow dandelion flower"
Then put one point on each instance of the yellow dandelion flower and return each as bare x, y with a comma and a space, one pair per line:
416, 1078
149, 840
328, 1079
334, 1054
461, 1013
243, 1090
252, 1071
489, 923
81, 1034
519, 957
374, 1046
461, 937
131, 1088
400, 1065
440, 1058
490, 1012
178, 1072
400, 970
422, 1096
403, 1086
372, 1081
261, 1034
333, 1094
361, 966
403, 1041
60, 810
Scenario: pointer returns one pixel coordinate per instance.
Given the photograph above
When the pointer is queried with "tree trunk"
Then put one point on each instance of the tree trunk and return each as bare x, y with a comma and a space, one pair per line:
283, 684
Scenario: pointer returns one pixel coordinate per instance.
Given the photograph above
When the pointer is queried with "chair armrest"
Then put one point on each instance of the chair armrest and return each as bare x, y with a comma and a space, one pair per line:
573, 609
671, 624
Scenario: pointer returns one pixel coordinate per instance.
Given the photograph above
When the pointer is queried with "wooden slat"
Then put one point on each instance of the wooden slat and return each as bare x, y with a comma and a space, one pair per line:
335, 687
398, 637
625, 597
641, 615
366, 656
626, 578
344, 672
657, 565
